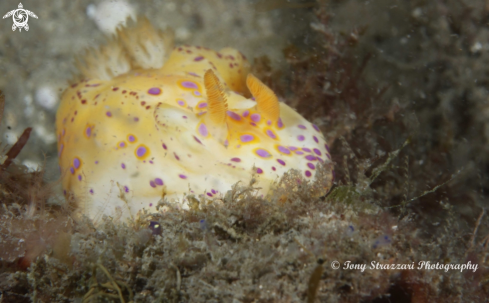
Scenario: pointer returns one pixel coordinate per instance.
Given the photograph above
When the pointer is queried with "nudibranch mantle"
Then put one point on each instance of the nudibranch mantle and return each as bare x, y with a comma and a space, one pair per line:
149, 120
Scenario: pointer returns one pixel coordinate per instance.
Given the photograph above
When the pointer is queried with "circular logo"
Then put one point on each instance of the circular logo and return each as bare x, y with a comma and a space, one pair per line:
20, 18
335, 265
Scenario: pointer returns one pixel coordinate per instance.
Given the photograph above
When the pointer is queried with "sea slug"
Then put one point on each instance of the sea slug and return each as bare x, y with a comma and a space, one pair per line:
148, 120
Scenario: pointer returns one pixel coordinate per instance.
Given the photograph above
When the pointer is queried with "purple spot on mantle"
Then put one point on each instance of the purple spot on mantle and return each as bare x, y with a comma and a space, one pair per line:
123, 166
60, 149
262, 153
199, 58
202, 105
88, 131
271, 134
131, 138
182, 176
79, 177
126, 189
164, 146
311, 158
255, 118
122, 144
300, 137
306, 149
327, 147
189, 84
154, 91
311, 165
108, 114
203, 130
246, 138
141, 151
72, 170
315, 139
280, 124
234, 115
315, 127
317, 151
76, 163
282, 162
158, 181
181, 102
283, 150
259, 171
308, 173
301, 126
152, 183
196, 139
236, 159
246, 113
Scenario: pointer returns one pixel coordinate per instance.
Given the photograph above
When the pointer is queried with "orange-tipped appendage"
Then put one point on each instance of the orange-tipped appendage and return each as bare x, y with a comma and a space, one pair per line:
217, 104
267, 101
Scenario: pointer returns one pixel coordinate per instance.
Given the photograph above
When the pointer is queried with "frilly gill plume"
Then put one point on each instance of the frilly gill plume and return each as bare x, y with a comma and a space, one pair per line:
128, 50
149, 50
105, 63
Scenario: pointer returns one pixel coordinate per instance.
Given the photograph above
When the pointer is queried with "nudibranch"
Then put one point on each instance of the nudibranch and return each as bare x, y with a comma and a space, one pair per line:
148, 120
